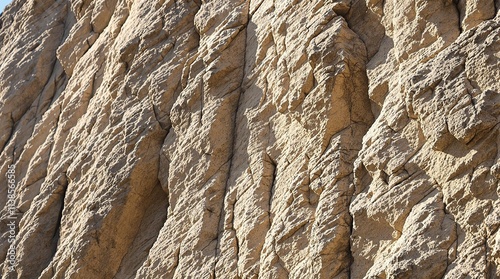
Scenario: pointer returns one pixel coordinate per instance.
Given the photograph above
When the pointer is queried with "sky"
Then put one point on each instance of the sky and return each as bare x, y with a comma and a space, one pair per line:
3, 3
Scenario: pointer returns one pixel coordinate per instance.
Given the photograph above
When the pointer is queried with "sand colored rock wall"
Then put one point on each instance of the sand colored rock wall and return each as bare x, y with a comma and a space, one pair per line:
250, 139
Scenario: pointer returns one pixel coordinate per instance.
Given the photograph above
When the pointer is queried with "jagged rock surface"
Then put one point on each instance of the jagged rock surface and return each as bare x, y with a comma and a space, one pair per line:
251, 138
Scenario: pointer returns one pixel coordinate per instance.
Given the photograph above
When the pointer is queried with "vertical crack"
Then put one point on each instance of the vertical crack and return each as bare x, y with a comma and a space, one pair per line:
231, 166
57, 231
460, 13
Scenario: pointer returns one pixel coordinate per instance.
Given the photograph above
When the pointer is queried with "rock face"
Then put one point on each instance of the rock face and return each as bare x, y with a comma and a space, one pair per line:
250, 139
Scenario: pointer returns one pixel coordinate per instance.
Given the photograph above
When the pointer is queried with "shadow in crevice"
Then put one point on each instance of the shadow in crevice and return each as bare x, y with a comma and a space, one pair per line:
150, 227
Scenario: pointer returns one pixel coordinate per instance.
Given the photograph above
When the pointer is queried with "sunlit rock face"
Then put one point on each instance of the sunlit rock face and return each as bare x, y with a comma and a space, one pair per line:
250, 139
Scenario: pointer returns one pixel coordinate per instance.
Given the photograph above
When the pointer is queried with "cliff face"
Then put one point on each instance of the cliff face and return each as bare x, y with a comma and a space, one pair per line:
250, 139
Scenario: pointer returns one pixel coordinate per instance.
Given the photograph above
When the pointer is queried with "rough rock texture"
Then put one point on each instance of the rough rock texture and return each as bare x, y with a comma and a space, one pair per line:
251, 138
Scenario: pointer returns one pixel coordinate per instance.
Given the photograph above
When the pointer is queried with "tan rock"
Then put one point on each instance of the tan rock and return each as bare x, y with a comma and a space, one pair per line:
251, 139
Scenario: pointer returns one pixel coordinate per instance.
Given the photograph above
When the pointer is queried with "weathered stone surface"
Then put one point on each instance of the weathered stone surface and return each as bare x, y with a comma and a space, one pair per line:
251, 138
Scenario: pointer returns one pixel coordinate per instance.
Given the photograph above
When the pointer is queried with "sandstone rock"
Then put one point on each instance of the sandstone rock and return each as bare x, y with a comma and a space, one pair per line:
251, 139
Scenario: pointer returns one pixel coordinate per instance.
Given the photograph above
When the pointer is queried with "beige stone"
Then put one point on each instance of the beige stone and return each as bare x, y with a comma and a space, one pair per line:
251, 138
